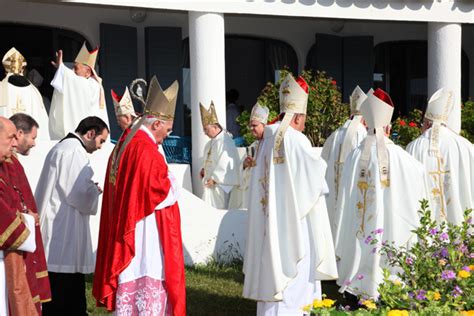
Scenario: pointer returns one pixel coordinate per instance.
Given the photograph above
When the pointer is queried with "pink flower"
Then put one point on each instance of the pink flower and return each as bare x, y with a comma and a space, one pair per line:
360, 277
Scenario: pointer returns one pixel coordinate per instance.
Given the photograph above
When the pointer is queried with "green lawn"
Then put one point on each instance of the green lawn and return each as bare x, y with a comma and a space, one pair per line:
210, 290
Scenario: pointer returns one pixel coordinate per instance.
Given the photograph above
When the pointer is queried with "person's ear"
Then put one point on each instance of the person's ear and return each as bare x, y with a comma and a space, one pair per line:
91, 134
19, 133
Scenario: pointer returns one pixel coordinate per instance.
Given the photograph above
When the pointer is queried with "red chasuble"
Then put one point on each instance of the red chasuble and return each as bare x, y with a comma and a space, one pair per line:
20, 198
140, 184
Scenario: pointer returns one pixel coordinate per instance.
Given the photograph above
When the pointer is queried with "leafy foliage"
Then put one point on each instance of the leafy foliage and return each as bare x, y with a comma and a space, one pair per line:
406, 129
325, 111
467, 120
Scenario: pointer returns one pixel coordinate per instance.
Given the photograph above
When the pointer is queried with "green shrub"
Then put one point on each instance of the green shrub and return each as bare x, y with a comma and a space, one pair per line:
325, 112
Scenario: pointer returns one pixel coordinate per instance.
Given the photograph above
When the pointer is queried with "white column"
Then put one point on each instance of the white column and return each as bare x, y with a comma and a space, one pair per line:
207, 56
444, 64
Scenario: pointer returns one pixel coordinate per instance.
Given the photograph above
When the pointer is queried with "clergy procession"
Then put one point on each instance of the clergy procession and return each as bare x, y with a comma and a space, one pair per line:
310, 214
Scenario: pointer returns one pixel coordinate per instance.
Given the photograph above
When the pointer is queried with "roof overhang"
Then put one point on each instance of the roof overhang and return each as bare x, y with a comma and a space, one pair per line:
445, 11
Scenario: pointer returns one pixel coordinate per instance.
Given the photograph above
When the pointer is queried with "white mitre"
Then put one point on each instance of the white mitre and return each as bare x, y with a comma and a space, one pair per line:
438, 110
259, 113
356, 99
293, 100
123, 105
377, 111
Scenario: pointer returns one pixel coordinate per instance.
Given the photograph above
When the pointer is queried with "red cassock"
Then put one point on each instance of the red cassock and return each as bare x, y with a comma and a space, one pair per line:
35, 262
140, 184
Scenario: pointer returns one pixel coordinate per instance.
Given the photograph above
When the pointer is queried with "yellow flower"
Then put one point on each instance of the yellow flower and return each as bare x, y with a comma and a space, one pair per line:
369, 304
436, 296
307, 308
471, 267
397, 282
317, 303
398, 312
467, 313
463, 274
328, 302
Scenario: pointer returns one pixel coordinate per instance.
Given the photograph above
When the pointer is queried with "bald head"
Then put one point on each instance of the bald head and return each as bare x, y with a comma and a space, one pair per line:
7, 138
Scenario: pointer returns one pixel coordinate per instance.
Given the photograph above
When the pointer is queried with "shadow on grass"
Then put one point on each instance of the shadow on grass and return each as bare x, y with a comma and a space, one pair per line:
200, 302
218, 272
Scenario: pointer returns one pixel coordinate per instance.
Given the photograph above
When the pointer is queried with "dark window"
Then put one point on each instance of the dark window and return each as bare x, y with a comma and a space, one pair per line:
250, 63
401, 69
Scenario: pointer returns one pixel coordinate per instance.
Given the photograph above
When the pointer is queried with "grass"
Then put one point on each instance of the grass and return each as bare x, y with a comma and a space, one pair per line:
211, 289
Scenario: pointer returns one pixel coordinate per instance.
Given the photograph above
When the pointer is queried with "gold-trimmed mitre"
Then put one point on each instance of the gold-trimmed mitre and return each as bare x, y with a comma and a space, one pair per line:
123, 105
259, 113
161, 104
440, 106
356, 99
87, 58
208, 117
14, 62
293, 98
377, 109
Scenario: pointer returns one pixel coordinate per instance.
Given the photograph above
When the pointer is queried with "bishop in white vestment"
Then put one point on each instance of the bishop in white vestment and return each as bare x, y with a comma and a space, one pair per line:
338, 145
258, 121
219, 172
448, 159
77, 94
19, 95
289, 242
381, 187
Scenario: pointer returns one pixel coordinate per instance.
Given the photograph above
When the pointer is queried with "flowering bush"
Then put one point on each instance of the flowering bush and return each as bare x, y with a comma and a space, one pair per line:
436, 271
467, 120
436, 274
325, 112
406, 129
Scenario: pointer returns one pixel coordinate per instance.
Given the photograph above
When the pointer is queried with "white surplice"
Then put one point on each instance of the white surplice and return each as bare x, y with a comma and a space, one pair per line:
245, 174
66, 197
331, 154
221, 163
364, 205
74, 99
289, 243
26, 100
29, 245
450, 173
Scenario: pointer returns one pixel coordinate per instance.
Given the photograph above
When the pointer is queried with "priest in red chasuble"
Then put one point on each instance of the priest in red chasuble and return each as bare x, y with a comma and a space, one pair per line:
140, 266
21, 289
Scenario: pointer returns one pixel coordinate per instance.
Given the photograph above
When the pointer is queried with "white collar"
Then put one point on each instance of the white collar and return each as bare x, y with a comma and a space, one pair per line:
148, 132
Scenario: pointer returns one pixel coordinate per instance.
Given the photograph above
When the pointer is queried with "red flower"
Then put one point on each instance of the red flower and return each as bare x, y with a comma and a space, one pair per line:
402, 123
412, 124
334, 82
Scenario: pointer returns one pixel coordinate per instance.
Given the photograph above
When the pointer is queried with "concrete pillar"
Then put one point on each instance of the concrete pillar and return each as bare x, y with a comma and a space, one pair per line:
207, 56
444, 64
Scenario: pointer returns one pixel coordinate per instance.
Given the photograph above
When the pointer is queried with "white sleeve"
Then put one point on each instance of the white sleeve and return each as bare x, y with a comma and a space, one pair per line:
58, 79
173, 194
29, 245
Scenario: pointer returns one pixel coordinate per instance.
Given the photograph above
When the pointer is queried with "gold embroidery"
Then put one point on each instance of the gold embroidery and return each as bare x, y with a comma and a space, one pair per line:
36, 299
10, 229
19, 106
364, 188
438, 191
20, 239
264, 183
41, 274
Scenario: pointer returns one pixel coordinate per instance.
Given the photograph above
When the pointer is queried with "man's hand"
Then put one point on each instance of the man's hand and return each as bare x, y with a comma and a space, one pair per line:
35, 216
98, 187
249, 162
210, 183
59, 59
201, 173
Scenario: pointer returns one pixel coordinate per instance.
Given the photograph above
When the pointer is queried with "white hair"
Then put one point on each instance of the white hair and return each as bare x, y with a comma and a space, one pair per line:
150, 120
